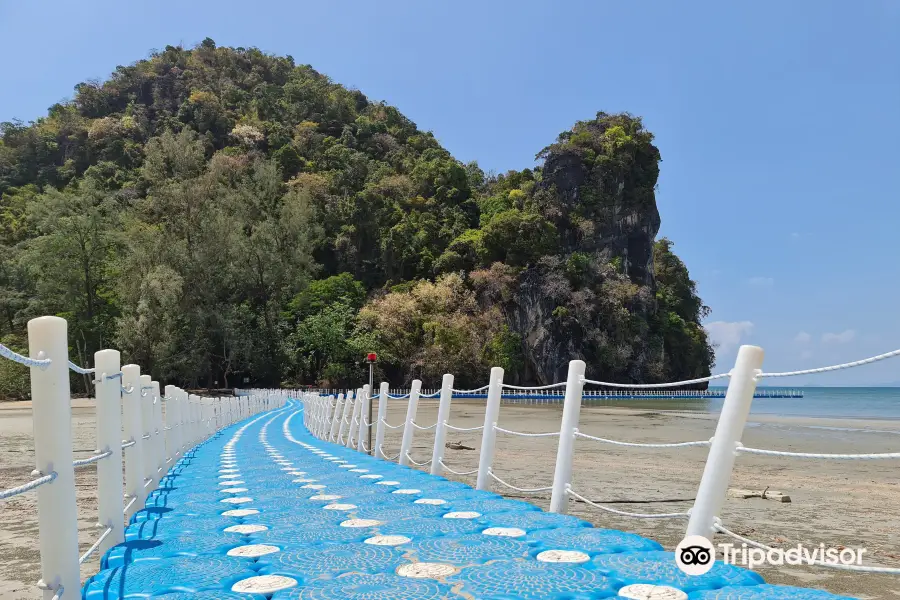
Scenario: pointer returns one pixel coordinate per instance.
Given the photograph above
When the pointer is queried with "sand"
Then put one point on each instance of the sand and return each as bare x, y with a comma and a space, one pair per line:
840, 503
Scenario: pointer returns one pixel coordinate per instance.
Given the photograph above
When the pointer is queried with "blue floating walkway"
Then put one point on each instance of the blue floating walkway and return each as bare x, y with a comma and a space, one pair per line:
263, 510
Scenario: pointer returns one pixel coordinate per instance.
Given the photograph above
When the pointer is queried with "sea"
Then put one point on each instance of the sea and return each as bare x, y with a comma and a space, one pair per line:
825, 402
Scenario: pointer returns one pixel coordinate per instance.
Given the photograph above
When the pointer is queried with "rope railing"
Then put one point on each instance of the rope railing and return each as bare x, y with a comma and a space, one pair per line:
398, 397
386, 457
521, 434
389, 426
460, 473
128, 444
96, 545
432, 395
740, 448
415, 462
14, 356
705, 443
27, 487
833, 565
534, 387
849, 365
518, 489
640, 386
449, 426
476, 390
624, 513
420, 428
79, 370
91, 459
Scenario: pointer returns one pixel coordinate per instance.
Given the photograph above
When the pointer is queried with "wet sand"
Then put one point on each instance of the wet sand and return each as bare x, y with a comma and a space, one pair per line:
854, 504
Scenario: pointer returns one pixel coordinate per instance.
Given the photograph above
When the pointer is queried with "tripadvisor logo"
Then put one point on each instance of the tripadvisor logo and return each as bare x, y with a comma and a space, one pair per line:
696, 555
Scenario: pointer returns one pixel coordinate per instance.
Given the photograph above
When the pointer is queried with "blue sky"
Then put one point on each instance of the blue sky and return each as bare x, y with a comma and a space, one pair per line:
778, 124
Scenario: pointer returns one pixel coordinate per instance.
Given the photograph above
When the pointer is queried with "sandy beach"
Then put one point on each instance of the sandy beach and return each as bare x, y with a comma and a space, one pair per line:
839, 503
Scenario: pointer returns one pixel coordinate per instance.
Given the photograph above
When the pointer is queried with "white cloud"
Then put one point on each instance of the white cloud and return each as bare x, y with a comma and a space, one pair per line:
761, 281
839, 338
803, 338
795, 236
728, 334
806, 354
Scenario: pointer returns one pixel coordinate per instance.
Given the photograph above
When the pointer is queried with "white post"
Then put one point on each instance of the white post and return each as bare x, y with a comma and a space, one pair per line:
146, 400
363, 411
489, 435
355, 423
52, 417
440, 430
107, 372
345, 419
134, 454
159, 443
408, 429
730, 428
378, 452
338, 406
325, 416
192, 419
562, 476
169, 425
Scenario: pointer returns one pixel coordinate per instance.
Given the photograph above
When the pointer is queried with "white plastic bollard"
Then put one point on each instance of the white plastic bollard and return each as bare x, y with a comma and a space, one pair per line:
134, 454
345, 419
146, 400
355, 424
730, 428
52, 416
168, 425
159, 443
408, 429
338, 407
440, 430
562, 476
110, 507
363, 411
378, 452
489, 435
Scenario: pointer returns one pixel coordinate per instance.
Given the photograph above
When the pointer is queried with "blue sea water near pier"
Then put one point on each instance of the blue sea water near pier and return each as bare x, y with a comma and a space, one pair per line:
826, 402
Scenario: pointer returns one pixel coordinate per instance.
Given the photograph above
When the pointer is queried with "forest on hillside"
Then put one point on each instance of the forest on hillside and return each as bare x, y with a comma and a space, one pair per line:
220, 213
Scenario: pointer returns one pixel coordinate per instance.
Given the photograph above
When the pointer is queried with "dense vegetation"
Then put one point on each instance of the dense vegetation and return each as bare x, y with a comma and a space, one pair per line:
220, 213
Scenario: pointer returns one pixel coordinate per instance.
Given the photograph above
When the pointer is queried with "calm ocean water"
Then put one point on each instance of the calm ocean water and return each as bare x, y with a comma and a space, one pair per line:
853, 403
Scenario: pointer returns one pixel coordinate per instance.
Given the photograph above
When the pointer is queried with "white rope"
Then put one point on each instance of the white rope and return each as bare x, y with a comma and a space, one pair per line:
146, 436
848, 365
481, 389
130, 504
449, 426
537, 387
96, 545
890, 455
127, 390
433, 395
386, 457
28, 486
418, 464
401, 397
623, 513
86, 461
656, 385
389, 426
443, 464
417, 426
5, 352
636, 445
127, 444
861, 568
519, 433
512, 487
79, 370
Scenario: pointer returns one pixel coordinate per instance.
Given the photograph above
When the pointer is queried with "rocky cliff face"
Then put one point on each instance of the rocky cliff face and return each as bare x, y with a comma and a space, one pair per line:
593, 300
